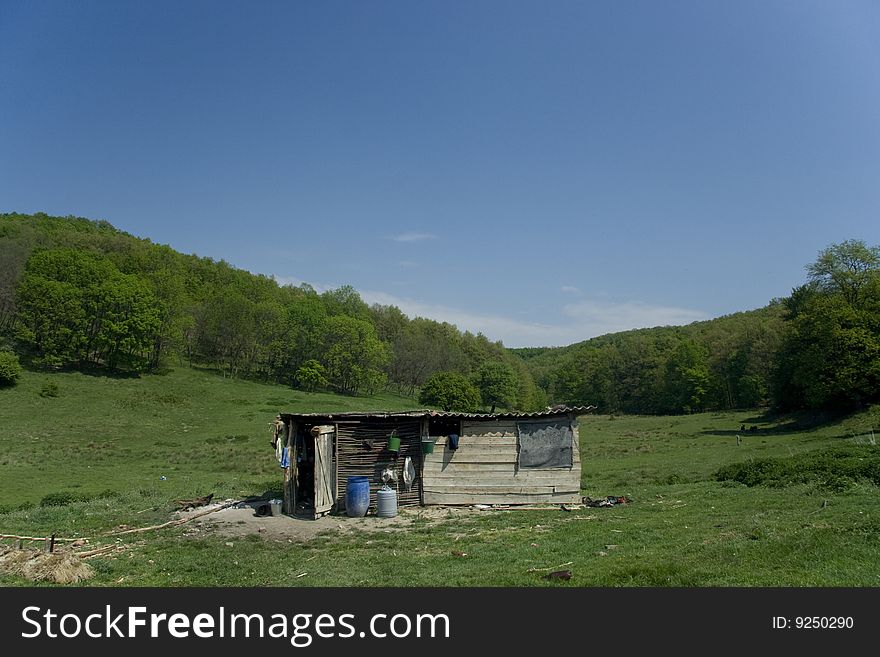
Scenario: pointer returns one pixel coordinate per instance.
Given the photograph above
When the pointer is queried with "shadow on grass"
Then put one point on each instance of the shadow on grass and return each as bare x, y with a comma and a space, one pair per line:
99, 372
770, 423
273, 493
30, 364
240, 376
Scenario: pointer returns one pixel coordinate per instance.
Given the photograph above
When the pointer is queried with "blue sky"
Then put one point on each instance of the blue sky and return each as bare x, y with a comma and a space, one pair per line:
540, 172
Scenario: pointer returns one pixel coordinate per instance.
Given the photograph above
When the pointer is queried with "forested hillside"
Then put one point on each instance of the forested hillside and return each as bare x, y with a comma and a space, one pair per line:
819, 348
724, 363
76, 293
80, 294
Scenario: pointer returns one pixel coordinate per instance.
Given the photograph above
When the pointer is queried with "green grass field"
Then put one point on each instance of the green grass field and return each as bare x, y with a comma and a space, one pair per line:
95, 456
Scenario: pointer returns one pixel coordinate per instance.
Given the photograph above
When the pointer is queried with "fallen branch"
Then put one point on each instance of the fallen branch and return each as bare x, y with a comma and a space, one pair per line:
171, 523
88, 554
579, 518
534, 570
95, 552
42, 538
524, 507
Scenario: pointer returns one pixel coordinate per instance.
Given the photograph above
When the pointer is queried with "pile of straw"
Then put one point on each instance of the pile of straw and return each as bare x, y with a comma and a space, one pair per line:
35, 565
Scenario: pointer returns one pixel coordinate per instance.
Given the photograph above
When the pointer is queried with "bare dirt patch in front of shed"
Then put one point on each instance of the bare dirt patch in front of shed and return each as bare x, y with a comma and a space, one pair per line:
240, 522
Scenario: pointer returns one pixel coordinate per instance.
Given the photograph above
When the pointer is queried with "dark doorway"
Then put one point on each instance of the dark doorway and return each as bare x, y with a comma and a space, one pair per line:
304, 454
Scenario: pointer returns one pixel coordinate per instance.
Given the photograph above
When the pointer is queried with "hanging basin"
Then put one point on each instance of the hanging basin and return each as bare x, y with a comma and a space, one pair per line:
427, 447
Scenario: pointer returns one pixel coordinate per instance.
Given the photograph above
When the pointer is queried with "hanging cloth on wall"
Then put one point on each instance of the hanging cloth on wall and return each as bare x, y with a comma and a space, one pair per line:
453, 441
409, 473
285, 457
279, 436
388, 474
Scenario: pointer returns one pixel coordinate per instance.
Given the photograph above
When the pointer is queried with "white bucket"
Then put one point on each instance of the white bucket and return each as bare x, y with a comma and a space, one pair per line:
386, 502
275, 505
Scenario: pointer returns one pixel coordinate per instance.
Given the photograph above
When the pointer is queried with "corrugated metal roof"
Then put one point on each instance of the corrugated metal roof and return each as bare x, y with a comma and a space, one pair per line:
550, 412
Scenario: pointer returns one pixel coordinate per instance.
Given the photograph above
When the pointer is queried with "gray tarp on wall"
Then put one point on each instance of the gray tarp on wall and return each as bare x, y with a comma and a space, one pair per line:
545, 444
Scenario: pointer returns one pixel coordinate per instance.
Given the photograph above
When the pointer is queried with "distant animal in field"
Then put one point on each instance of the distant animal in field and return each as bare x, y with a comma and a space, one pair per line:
185, 505
559, 574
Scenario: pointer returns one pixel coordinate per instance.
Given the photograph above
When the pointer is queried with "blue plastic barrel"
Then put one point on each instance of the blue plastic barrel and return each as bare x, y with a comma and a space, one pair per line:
357, 496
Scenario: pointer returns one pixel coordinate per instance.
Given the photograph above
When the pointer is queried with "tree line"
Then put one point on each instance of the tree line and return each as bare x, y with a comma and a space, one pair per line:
76, 293
82, 294
718, 364
818, 348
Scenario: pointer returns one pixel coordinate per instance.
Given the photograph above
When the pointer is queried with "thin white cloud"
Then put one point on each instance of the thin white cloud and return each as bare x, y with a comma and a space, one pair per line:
287, 280
408, 263
576, 321
571, 289
495, 327
296, 282
598, 317
413, 237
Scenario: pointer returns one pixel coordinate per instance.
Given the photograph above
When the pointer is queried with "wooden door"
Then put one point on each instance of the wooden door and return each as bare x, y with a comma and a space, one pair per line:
325, 471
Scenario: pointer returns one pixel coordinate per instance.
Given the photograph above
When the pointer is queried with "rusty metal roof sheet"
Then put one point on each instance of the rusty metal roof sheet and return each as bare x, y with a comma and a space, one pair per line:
354, 415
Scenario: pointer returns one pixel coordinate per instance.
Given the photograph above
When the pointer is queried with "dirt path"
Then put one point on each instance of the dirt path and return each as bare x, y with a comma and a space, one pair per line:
239, 522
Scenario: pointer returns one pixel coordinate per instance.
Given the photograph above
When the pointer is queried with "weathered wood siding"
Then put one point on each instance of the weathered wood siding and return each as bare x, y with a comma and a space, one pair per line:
354, 458
325, 468
483, 470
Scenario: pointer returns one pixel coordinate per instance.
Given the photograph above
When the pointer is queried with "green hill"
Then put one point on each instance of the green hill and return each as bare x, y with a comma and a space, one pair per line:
176, 435
723, 363
80, 295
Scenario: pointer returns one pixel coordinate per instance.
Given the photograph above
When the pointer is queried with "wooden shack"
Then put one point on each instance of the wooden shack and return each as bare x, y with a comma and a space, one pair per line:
458, 458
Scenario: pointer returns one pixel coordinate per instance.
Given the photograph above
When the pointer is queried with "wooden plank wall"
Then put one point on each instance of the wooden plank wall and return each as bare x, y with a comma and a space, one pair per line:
483, 470
354, 459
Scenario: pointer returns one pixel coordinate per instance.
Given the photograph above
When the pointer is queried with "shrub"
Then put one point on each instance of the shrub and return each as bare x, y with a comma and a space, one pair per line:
10, 369
834, 468
12, 508
311, 376
58, 499
63, 498
49, 389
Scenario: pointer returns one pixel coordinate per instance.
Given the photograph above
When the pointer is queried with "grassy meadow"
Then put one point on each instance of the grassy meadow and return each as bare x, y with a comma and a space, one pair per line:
796, 504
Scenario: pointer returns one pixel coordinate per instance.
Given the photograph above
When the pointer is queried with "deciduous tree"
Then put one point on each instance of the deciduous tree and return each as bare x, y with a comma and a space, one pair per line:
451, 391
497, 384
